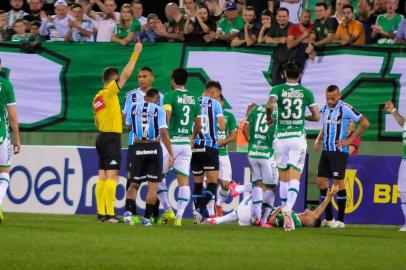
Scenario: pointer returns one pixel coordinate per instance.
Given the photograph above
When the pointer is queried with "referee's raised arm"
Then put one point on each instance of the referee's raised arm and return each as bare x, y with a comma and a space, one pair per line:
129, 68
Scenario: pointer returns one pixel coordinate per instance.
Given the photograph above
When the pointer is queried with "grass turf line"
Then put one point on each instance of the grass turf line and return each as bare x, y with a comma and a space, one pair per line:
33, 241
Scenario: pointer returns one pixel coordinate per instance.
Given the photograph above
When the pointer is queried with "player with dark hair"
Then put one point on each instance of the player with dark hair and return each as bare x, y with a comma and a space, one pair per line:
108, 121
147, 121
336, 117
205, 157
182, 109
291, 100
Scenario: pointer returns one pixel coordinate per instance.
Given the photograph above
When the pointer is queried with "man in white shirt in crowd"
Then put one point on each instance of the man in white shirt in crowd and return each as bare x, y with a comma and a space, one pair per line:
138, 9
56, 26
106, 20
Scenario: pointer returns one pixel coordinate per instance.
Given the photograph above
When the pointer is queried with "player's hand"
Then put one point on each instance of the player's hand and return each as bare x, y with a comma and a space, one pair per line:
171, 161
340, 144
138, 46
16, 147
389, 106
270, 122
317, 145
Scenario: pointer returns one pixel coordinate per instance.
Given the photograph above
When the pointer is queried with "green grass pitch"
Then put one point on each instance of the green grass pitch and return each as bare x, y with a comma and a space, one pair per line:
30, 241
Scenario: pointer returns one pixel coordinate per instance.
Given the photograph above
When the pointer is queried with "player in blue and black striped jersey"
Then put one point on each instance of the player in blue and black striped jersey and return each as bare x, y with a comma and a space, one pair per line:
336, 116
147, 121
205, 156
145, 81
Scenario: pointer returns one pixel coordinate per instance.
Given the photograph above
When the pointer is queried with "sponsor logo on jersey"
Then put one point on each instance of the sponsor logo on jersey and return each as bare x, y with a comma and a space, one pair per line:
292, 93
186, 100
99, 104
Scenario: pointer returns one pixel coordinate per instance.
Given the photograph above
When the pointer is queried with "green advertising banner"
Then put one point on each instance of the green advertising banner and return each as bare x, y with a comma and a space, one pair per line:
55, 87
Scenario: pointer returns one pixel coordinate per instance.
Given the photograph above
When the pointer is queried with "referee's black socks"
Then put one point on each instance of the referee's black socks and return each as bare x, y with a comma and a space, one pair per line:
341, 201
329, 208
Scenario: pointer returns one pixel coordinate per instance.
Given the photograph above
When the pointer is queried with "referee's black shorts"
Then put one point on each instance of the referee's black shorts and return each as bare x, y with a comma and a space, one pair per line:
204, 159
332, 165
146, 162
108, 146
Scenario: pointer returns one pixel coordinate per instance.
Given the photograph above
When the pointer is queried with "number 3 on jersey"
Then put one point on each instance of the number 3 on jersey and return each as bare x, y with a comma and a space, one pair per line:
186, 114
292, 108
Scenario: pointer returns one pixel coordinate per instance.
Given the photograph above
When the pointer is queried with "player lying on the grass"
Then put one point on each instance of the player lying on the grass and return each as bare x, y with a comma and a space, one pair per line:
244, 214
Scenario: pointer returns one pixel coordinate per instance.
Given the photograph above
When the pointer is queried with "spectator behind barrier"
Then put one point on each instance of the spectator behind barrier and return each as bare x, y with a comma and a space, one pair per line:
266, 22
401, 33
36, 11
367, 18
138, 9
190, 7
298, 38
215, 10
229, 27
127, 27
15, 13
349, 31
387, 24
80, 28
173, 30
323, 30
154, 25
249, 35
198, 25
56, 26
106, 20
339, 15
4, 34
19, 29
35, 38
295, 9
278, 35
379, 7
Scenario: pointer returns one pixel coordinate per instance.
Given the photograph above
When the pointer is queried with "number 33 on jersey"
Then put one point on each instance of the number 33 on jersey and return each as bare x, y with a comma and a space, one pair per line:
292, 100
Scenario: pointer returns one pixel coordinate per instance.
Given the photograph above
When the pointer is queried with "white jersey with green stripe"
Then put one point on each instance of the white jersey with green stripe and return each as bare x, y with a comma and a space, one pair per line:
292, 100
7, 98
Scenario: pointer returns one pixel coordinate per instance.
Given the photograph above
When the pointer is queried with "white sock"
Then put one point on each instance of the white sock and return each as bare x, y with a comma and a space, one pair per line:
283, 192
210, 208
247, 187
222, 196
183, 200
257, 198
269, 199
230, 217
163, 196
403, 204
4, 183
293, 191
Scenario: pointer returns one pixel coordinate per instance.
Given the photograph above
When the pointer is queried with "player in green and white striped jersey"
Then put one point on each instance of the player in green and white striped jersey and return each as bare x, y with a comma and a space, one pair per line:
8, 119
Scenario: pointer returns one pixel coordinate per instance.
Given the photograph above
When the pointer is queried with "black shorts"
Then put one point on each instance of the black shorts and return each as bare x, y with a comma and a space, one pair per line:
108, 146
129, 157
332, 165
204, 159
147, 162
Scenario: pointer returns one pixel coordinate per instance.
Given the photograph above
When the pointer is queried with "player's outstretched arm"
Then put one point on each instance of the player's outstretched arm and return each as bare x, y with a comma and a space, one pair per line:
272, 217
330, 194
390, 107
129, 68
12, 118
318, 141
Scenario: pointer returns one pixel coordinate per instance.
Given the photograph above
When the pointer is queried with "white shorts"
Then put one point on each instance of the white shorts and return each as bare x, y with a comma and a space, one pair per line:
225, 171
290, 152
182, 154
245, 212
402, 176
264, 170
165, 159
6, 153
